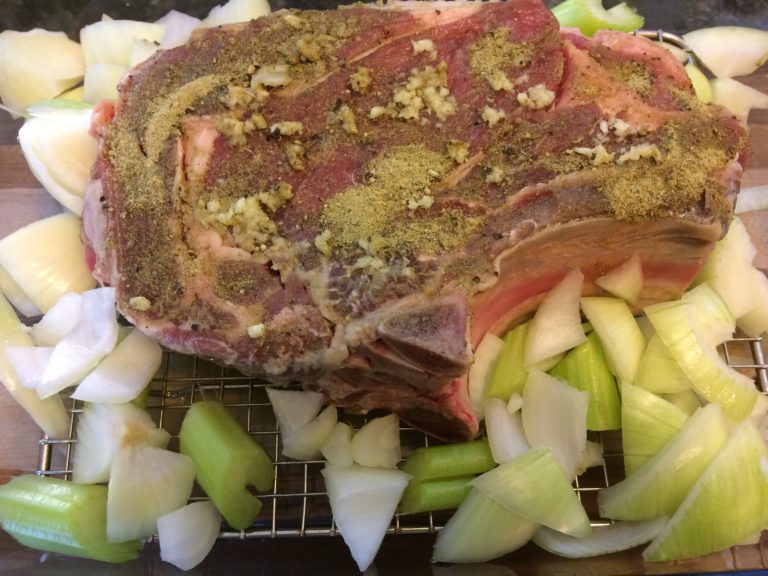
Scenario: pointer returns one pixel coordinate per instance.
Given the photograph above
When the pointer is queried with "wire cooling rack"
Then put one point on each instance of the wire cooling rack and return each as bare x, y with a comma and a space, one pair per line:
298, 505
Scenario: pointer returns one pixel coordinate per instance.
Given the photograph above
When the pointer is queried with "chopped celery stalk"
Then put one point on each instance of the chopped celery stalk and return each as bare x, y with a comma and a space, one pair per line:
446, 460
585, 369
227, 461
533, 486
622, 340
486, 358
46, 259
726, 507
145, 483
481, 530
659, 486
505, 431
713, 319
556, 326
509, 374
547, 400
59, 516
624, 281
123, 373
603, 540
727, 268
363, 501
589, 16
710, 376
658, 371
48, 413
377, 443
435, 494
648, 422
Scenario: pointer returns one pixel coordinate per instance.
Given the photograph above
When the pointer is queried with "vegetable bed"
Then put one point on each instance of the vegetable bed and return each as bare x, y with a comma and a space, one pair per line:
297, 506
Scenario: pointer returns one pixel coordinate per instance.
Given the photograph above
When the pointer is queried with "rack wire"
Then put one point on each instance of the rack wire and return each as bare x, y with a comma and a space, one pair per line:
298, 505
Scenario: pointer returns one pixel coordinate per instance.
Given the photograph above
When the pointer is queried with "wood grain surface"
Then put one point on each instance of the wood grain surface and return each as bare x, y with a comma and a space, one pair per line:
22, 200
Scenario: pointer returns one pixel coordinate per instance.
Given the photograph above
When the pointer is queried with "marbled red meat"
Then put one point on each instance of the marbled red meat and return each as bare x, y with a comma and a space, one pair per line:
349, 200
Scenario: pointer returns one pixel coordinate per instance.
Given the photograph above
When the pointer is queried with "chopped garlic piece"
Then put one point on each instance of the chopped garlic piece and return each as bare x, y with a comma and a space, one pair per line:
140, 303
495, 175
322, 242
272, 75
536, 98
256, 330
424, 45
425, 201
598, 154
360, 80
287, 128
499, 81
492, 116
458, 151
640, 151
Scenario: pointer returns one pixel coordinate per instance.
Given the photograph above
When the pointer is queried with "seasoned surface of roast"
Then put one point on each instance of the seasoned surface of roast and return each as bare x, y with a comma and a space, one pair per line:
349, 200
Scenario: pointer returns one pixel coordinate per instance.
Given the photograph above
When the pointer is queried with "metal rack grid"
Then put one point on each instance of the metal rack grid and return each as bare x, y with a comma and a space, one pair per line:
298, 505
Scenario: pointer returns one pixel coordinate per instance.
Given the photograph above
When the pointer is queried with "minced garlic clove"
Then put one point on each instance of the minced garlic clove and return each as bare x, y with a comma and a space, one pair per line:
140, 303
256, 330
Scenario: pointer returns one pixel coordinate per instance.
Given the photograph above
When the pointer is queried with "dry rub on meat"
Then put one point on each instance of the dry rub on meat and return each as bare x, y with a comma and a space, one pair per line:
349, 200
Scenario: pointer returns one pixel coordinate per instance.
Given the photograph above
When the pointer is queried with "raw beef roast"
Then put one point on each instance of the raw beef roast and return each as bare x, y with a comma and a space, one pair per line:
349, 200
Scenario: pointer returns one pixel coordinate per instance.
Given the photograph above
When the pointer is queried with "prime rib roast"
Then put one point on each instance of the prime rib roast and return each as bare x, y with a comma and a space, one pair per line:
350, 200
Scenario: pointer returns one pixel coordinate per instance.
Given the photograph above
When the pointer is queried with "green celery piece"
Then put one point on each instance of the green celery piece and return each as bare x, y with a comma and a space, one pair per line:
534, 486
437, 494
59, 516
659, 486
509, 374
726, 507
589, 16
585, 368
648, 422
448, 460
227, 460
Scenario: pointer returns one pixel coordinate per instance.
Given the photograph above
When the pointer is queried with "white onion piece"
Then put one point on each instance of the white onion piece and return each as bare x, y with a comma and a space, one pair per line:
102, 429
59, 321
505, 431
337, 448
556, 326
16, 295
101, 82
124, 372
737, 97
80, 351
178, 28
729, 51
486, 356
593, 455
755, 322
625, 281
515, 403
188, 534
294, 409
36, 65
141, 50
377, 443
547, 400
752, 199
109, 41
50, 413
236, 11
305, 443
363, 501
29, 362
145, 483
45, 259
603, 540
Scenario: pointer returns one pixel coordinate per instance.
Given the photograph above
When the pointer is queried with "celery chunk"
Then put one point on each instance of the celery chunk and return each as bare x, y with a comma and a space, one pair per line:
589, 16
437, 494
585, 368
509, 374
448, 460
227, 460
58, 516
